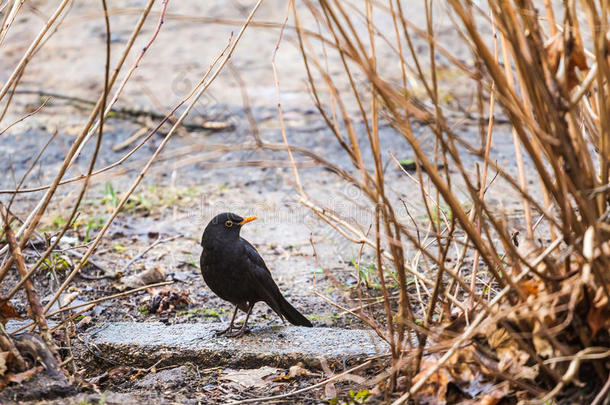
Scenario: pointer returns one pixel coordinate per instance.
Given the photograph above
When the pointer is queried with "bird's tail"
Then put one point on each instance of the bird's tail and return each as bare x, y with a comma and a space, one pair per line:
292, 314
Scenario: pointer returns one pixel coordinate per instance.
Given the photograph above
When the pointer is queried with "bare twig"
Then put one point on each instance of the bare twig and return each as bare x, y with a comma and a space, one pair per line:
35, 309
137, 257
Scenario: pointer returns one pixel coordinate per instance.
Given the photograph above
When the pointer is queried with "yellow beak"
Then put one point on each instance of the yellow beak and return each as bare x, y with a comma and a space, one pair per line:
247, 219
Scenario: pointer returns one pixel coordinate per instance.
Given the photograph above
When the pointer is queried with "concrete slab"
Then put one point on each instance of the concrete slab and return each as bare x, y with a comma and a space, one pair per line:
144, 344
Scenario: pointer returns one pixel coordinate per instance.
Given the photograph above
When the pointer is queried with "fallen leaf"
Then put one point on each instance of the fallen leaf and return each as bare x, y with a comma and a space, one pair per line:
499, 338
150, 276
24, 375
249, 378
298, 371
330, 391
595, 320
7, 312
541, 344
166, 299
494, 397
575, 56
85, 322
459, 365
532, 286
435, 388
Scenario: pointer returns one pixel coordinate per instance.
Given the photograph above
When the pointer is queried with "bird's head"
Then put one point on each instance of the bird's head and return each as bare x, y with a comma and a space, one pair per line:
224, 226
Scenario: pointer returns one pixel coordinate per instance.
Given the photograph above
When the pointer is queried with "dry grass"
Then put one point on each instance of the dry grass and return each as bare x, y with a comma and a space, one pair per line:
549, 313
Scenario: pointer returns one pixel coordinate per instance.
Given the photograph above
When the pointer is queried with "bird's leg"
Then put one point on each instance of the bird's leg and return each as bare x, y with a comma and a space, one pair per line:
231, 327
243, 328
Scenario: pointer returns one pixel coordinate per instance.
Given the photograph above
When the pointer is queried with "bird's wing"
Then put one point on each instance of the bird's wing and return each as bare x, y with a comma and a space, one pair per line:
254, 257
260, 276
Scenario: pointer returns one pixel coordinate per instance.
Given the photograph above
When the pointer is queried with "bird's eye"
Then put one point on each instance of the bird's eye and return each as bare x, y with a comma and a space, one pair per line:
229, 223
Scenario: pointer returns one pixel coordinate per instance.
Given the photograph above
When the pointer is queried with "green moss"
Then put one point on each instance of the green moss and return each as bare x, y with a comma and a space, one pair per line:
206, 313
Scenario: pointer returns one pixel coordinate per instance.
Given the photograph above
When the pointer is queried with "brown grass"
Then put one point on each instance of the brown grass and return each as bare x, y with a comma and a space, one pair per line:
550, 305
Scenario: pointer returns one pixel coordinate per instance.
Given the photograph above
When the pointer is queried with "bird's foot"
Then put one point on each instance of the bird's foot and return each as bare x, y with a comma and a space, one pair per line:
239, 333
227, 330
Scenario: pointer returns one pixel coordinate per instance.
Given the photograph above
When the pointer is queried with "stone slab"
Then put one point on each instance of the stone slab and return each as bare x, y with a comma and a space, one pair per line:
147, 343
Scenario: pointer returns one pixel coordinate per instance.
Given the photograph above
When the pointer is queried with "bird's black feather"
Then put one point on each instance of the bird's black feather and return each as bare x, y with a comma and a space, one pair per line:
234, 270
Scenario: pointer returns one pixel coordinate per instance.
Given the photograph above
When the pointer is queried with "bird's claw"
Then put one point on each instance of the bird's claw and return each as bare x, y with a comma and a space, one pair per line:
239, 333
227, 330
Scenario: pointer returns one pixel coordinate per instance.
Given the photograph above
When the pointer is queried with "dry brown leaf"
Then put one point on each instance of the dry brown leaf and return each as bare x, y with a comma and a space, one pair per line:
85, 322
577, 56
498, 338
298, 371
330, 391
7, 312
19, 378
596, 319
576, 59
459, 365
532, 286
435, 388
541, 344
249, 378
147, 277
166, 299
492, 398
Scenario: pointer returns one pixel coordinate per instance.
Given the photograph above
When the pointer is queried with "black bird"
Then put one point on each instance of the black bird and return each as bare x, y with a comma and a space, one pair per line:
234, 271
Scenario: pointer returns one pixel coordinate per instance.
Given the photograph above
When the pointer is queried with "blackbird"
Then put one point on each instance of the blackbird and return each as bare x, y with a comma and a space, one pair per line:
234, 271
